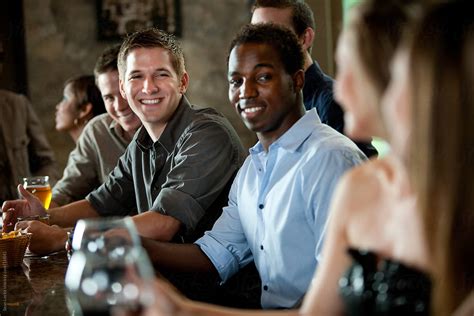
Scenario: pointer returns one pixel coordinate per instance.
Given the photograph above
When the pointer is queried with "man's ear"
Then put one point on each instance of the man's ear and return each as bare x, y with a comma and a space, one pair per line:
298, 80
184, 83
307, 38
122, 89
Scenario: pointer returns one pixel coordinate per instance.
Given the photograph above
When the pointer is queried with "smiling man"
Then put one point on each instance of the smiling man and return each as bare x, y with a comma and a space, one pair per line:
177, 170
103, 140
278, 204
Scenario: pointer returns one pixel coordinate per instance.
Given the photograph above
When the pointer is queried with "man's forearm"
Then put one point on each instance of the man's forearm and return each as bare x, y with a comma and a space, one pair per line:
177, 257
68, 215
156, 226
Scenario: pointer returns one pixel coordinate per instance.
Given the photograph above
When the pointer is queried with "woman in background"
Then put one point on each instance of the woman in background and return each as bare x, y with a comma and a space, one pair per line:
81, 101
440, 67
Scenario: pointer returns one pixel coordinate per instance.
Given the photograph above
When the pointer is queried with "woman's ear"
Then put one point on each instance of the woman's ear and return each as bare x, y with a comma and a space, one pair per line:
86, 110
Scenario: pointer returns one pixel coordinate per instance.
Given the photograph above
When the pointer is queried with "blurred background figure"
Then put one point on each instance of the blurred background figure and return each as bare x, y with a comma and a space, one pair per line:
81, 102
440, 68
24, 149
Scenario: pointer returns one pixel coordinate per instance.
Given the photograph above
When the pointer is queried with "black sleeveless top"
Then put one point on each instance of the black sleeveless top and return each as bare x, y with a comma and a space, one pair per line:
377, 288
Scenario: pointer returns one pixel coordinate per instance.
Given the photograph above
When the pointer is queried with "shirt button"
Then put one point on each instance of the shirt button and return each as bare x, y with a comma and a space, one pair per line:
261, 247
260, 206
265, 288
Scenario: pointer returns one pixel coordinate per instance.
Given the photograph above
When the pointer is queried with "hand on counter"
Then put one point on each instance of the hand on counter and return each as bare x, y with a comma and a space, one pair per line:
30, 205
45, 239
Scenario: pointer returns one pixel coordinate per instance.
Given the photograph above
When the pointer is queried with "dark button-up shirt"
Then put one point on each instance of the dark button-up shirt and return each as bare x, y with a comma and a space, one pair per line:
318, 93
186, 173
96, 154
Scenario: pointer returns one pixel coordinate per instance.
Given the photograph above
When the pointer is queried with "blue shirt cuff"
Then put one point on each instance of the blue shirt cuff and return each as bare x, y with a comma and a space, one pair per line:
222, 259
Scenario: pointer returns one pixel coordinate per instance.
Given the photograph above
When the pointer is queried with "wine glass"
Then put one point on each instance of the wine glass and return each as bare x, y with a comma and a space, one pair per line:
109, 270
105, 234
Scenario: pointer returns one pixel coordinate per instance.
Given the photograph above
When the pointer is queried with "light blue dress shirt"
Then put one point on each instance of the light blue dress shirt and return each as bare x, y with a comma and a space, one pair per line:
278, 207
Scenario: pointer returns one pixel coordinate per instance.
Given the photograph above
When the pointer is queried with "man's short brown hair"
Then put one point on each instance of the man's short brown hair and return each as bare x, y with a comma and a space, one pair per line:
302, 15
107, 61
152, 38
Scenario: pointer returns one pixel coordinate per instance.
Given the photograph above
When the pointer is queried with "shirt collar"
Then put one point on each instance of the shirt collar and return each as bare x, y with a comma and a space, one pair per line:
116, 129
293, 138
314, 79
313, 72
180, 119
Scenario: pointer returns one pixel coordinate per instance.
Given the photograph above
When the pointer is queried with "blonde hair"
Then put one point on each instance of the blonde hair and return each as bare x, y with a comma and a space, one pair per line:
442, 149
376, 28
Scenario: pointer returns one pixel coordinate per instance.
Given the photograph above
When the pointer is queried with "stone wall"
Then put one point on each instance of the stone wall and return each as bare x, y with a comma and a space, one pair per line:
61, 42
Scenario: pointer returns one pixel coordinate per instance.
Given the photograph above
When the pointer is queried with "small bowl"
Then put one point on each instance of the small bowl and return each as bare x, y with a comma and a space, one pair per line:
12, 250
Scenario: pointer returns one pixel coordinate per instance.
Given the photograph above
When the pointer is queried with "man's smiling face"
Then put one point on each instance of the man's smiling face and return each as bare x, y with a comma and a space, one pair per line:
152, 86
262, 92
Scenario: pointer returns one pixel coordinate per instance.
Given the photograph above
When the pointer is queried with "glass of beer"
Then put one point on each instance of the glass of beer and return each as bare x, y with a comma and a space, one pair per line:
39, 186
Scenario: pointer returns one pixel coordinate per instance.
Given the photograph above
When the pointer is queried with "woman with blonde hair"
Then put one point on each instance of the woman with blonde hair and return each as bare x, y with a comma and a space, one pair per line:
429, 228
441, 156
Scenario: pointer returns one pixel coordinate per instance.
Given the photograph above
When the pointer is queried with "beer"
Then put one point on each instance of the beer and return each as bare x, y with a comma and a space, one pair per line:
39, 186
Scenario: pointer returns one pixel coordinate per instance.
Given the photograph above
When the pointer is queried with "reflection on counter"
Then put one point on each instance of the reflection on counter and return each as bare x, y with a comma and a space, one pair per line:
34, 288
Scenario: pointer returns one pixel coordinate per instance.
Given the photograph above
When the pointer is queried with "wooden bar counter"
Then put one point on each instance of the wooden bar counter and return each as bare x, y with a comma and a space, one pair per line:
35, 288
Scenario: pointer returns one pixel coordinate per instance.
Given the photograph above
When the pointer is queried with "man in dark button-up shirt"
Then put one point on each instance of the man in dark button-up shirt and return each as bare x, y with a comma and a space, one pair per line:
179, 175
317, 91
177, 170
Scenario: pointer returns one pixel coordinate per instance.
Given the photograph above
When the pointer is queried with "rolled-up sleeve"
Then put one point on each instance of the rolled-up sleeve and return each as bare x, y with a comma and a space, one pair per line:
115, 197
206, 158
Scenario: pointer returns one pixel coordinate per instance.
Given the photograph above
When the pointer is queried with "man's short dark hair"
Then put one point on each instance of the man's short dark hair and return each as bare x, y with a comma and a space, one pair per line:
107, 61
283, 41
302, 15
152, 38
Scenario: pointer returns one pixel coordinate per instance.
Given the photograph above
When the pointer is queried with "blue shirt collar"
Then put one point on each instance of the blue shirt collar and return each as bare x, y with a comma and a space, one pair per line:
292, 139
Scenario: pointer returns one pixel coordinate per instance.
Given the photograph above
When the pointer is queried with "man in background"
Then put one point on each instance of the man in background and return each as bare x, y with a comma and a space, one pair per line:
317, 91
103, 140
24, 148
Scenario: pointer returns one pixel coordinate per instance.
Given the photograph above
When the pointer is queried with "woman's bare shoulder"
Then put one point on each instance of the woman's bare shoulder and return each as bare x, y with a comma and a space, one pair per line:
367, 176
364, 185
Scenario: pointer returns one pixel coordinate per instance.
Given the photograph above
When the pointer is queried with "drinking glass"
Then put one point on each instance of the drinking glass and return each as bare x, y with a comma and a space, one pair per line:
39, 186
109, 270
105, 235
